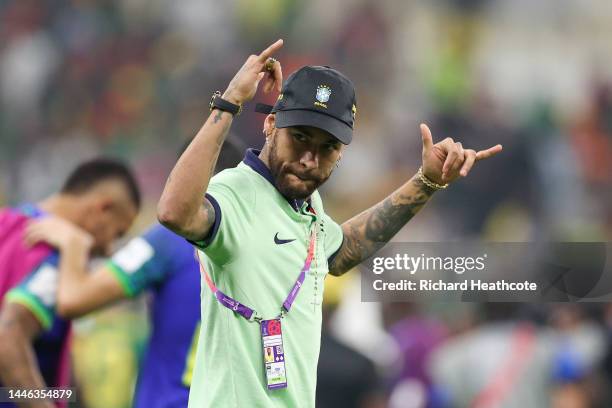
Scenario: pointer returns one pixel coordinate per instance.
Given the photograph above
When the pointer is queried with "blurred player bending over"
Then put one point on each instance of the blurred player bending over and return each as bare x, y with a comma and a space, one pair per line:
102, 198
160, 261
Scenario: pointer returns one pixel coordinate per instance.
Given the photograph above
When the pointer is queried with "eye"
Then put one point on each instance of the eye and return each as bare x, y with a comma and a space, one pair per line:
332, 146
300, 137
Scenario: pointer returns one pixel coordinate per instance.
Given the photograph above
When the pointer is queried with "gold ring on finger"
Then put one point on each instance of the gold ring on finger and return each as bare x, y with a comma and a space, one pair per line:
270, 64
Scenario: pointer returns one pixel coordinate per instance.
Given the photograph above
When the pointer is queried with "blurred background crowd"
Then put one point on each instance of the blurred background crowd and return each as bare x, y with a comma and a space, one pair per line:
133, 78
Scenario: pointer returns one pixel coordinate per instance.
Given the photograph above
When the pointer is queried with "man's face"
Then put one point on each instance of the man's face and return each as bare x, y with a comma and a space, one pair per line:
301, 159
109, 214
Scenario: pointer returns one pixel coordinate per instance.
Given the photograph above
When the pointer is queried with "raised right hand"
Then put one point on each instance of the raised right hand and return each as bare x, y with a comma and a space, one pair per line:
243, 86
447, 160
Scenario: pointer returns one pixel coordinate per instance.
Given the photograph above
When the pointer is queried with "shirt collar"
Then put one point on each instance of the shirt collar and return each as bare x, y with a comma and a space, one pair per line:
251, 159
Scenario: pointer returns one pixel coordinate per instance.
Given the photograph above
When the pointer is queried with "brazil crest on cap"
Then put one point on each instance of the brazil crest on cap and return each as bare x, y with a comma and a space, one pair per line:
321, 97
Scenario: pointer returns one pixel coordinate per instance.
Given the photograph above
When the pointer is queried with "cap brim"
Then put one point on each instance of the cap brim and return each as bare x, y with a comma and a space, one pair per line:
299, 117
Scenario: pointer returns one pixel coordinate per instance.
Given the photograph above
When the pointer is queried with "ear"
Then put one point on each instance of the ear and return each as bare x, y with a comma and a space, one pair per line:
269, 123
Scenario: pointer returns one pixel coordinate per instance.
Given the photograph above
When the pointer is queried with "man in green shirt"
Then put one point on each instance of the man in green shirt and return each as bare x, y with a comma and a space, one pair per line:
262, 225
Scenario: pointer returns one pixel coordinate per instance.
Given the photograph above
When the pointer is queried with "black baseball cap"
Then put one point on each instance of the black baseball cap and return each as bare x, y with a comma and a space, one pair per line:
317, 96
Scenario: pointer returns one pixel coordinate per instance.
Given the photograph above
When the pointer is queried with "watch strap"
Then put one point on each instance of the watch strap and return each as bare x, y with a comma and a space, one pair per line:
216, 102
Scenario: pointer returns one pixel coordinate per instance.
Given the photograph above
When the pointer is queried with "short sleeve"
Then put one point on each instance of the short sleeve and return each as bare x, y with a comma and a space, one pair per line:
333, 237
232, 200
209, 238
144, 261
38, 291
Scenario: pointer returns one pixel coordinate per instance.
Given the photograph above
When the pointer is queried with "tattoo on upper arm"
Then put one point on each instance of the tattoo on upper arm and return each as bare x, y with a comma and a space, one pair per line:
206, 220
209, 210
349, 251
372, 229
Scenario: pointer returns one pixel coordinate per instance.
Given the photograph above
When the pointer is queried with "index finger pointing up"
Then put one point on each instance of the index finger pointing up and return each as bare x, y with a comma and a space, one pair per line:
265, 54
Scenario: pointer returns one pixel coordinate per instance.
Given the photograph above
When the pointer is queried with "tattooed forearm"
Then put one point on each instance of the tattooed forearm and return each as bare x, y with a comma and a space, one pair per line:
180, 206
369, 231
218, 116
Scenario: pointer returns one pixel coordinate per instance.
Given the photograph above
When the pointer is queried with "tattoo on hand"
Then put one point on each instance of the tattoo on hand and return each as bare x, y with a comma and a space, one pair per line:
372, 229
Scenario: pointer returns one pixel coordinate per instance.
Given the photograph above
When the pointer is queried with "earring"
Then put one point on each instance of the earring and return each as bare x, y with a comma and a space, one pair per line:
338, 163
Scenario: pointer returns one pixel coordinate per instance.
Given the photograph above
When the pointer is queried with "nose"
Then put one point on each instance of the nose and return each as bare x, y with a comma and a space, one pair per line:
310, 160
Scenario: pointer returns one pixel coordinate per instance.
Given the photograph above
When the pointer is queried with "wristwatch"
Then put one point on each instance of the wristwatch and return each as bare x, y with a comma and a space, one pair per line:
216, 102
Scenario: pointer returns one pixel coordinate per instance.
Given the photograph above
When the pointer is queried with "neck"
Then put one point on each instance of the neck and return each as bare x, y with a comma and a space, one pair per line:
264, 155
61, 205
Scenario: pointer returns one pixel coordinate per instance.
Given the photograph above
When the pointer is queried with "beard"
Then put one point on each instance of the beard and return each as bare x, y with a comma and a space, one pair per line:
290, 178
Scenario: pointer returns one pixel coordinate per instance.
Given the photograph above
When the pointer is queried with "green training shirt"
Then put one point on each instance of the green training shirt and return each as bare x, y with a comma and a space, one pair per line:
254, 254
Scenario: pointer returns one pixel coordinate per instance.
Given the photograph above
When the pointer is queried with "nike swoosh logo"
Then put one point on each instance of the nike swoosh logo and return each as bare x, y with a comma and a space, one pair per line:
278, 241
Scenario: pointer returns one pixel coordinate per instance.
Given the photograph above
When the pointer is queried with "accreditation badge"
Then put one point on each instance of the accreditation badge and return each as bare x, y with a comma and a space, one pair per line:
273, 354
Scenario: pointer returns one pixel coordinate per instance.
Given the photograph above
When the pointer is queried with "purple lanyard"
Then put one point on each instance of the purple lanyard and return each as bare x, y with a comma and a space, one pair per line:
246, 311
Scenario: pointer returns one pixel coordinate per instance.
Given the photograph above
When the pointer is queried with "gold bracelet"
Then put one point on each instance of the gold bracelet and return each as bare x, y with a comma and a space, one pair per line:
428, 182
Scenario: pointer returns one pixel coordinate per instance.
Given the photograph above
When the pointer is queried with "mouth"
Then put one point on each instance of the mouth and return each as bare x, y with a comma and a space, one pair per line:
302, 178
296, 186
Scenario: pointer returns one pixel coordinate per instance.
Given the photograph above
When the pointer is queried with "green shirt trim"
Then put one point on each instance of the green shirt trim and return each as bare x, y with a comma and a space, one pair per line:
118, 273
42, 314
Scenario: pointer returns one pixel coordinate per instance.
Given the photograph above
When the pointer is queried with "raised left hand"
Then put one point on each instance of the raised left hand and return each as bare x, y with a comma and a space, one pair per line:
447, 160
56, 232
243, 86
